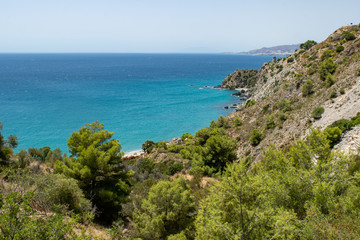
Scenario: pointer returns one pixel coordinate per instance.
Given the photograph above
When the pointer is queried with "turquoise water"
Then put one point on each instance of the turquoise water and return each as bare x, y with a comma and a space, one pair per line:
45, 97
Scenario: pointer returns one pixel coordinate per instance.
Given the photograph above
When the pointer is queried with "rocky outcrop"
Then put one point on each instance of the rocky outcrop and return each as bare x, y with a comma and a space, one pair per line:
243, 78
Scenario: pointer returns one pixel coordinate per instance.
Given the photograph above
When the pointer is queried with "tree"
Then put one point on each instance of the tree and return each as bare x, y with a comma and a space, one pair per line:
308, 44
256, 137
96, 163
6, 146
167, 210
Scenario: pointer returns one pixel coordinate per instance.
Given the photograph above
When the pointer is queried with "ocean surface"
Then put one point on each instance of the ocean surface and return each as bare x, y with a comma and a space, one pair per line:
45, 97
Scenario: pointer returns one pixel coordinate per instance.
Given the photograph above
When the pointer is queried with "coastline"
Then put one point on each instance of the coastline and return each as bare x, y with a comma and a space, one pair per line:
134, 153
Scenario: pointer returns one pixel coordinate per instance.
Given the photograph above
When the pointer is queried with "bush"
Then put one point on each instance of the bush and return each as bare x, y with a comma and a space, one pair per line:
256, 137
333, 134
174, 168
308, 44
342, 91
343, 124
270, 122
327, 54
250, 103
348, 35
311, 70
290, 59
326, 68
333, 94
308, 88
340, 48
284, 105
316, 114
148, 146
237, 122
282, 116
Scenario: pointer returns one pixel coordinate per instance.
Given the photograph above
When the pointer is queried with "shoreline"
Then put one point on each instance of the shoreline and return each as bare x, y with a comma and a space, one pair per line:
134, 153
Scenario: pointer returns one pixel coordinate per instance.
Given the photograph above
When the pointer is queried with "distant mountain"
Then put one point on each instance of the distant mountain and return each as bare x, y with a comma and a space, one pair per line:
273, 51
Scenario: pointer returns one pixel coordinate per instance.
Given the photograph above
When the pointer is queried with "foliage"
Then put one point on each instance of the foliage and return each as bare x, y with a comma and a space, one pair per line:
148, 146
6, 147
167, 210
18, 220
343, 124
339, 48
284, 105
348, 35
250, 103
96, 164
290, 59
308, 44
302, 192
174, 168
318, 111
333, 94
333, 134
342, 91
256, 137
328, 67
237, 122
327, 54
270, 122
308, 88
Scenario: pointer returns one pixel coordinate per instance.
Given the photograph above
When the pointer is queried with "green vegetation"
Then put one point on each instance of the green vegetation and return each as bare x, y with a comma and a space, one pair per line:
316, 114
290, 59
348, 35
326, 71
339, 48
166, 211
308, 88
256, 137
308, 44
95, 163
287, 196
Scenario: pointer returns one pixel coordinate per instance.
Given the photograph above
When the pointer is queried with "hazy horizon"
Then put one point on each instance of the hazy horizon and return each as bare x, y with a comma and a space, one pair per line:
160, 26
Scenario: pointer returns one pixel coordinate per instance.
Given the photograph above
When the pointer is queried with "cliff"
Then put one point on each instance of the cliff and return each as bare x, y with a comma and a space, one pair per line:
285, 93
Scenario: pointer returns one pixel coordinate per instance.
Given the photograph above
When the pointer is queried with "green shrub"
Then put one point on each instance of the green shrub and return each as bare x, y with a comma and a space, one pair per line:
148, 146
308, 44
174, 168
250, 103
348, 35
270, 122
187, 137
329, 80
342, 91
343, 124
284, 105
175, 148
356, 120
333, 134
340, 48
256, 137
282, 116
311, 71
326, 68
316, 114
237, 122
333, 94
290, 59
308, 88
327, 54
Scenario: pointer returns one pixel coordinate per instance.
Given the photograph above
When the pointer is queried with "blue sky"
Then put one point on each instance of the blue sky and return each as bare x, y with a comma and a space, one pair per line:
167, 25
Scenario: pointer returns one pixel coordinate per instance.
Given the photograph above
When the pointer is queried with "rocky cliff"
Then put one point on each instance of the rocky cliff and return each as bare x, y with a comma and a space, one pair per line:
285, 93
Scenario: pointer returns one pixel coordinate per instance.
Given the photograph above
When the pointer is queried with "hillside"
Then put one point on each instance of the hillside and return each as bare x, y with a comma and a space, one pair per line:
287, 80
281, 50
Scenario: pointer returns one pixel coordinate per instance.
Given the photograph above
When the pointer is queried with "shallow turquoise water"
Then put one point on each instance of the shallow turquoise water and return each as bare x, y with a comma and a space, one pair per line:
45, 97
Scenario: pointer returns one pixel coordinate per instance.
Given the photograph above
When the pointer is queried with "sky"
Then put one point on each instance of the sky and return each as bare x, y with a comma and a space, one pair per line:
167, 26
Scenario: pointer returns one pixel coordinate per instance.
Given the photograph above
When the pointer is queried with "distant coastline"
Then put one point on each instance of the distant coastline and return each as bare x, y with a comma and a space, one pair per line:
281, 50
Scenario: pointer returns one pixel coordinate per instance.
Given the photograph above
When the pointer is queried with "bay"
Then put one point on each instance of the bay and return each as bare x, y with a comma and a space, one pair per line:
45, 97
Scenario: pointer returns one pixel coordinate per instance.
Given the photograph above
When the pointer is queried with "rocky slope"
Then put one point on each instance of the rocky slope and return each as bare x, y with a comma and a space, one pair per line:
285, 93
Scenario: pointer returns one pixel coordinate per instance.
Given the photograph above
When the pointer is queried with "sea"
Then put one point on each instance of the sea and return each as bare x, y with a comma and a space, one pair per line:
139, 97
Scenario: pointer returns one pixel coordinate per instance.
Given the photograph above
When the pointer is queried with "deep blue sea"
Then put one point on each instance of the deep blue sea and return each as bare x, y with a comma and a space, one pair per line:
45, 97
